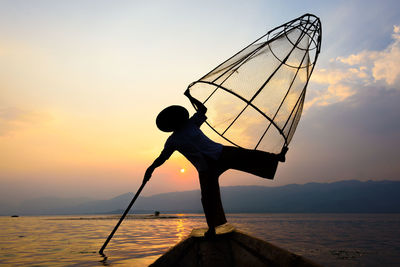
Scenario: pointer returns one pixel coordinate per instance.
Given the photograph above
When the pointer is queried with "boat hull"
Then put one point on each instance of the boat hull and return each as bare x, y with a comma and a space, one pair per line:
231, 249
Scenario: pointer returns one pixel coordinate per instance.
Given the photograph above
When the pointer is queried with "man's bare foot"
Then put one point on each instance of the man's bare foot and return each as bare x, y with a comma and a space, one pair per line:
210, 234
282, 155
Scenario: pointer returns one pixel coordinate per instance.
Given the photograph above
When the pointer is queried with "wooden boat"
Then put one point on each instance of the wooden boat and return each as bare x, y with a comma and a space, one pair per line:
229, 248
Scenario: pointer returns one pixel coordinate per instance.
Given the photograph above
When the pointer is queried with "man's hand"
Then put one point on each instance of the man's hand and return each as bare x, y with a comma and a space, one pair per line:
196, 103
148, 174
157, 163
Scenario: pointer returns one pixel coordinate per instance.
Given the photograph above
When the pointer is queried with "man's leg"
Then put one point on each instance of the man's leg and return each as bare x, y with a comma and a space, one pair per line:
211, 199
256, 162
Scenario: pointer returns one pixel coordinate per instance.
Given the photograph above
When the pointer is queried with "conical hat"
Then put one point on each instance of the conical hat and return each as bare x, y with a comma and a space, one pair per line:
171, 118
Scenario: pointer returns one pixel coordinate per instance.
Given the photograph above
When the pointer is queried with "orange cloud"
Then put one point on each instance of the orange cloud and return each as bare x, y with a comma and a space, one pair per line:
384, 65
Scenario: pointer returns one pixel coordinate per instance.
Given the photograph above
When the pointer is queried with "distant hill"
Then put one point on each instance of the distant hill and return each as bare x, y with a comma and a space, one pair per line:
338, 197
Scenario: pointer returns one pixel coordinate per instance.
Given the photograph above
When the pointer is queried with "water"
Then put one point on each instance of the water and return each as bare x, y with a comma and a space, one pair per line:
329, 239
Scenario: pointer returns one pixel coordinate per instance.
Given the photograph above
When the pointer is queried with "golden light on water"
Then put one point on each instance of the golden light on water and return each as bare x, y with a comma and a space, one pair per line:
180, 230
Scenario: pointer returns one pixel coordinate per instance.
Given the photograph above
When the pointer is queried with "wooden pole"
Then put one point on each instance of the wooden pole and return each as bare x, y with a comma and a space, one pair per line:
122, 218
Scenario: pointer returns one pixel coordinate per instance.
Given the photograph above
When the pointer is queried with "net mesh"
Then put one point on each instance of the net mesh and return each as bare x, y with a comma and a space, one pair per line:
255, 98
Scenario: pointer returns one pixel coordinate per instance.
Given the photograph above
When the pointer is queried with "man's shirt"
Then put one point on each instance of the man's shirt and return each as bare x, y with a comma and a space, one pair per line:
192, 143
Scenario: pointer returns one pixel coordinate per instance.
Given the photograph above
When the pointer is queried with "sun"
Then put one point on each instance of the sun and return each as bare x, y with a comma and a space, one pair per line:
182, 170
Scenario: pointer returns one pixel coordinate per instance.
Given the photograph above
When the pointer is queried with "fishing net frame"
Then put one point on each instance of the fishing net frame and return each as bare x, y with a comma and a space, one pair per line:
231, 73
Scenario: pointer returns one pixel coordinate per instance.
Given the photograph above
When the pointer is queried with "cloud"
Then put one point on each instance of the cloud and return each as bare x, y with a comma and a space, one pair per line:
13, 119
352, 128
347, 76
386, 66
334, 93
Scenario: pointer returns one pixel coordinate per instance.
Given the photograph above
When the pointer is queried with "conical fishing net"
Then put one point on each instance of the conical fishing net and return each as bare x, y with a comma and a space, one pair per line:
255, 98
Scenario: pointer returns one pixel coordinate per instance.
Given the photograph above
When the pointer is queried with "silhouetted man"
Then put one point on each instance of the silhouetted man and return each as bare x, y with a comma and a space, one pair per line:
211, 159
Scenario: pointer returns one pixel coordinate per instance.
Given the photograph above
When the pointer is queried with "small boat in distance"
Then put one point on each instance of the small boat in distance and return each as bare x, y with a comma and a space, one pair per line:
14, 216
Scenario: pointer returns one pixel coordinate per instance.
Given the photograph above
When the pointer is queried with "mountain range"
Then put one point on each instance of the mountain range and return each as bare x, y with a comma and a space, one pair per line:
349, 196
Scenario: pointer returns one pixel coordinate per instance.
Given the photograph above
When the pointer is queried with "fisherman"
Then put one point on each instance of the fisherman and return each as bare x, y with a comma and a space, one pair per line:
211, 159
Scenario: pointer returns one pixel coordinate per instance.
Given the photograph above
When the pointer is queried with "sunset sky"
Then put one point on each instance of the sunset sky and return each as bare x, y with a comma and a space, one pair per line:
81, 83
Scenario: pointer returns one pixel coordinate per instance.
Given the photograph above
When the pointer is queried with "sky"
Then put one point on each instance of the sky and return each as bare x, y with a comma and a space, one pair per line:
81, 83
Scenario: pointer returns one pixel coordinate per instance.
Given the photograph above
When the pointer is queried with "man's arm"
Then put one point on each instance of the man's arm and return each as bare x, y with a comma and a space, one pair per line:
198, 105
165, 154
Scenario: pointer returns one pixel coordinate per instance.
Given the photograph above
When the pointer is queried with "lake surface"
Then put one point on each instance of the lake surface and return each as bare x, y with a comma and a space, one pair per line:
328, 239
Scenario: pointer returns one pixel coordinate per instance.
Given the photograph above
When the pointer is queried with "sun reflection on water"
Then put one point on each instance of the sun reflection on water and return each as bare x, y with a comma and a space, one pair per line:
68, 240
180, 230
